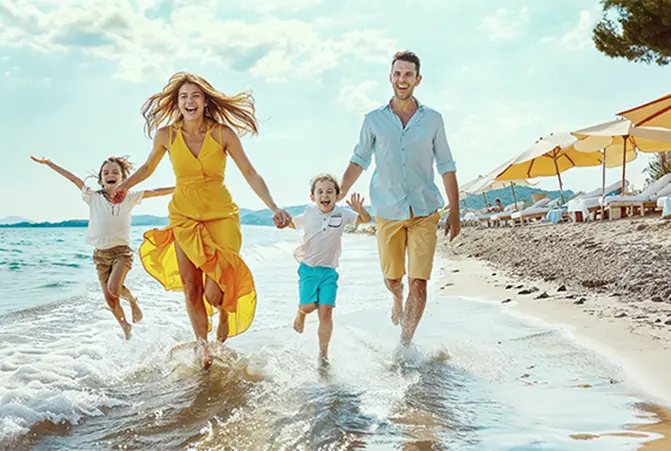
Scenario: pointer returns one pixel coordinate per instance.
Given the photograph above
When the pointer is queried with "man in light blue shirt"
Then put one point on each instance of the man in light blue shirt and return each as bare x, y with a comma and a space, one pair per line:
406, 138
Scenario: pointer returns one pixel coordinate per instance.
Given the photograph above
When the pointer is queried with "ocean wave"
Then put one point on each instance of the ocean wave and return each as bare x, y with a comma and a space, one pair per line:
67, 265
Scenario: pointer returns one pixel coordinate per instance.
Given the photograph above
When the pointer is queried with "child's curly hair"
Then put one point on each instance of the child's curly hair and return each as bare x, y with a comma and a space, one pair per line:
324, 178
123, 162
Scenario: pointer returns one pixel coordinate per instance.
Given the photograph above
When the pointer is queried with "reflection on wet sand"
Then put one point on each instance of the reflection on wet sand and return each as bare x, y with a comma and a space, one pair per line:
661, 428
655, 436
427, 417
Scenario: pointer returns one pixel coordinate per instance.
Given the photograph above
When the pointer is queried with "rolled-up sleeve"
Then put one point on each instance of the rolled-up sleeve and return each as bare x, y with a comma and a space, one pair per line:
363, 151
441, 149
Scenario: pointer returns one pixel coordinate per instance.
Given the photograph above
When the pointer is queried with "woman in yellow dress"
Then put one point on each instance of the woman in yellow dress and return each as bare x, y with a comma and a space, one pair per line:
199, 252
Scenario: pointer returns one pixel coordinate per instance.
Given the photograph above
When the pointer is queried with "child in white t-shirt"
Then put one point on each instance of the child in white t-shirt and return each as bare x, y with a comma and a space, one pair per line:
323, 224
109, 231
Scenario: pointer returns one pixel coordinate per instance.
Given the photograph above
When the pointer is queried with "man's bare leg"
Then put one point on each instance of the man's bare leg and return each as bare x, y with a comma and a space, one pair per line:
414, 309
303, 310
396, 288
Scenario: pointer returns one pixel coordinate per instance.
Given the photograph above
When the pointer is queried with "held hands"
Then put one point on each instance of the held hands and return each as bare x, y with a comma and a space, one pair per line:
119, 194
355, 202
281, 218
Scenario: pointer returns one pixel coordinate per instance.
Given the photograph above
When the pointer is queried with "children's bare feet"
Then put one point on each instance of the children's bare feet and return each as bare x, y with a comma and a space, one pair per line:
126, 330
299, 322
206, 358
136, 312
222, 328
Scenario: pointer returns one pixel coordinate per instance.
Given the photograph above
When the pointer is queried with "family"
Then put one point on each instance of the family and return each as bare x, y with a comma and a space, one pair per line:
199, 251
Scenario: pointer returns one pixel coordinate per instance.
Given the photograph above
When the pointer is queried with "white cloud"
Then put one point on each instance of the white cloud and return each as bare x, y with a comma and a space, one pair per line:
504, 24
354, 96
15, 77
271, 6
580, 36
500, 132
271, 48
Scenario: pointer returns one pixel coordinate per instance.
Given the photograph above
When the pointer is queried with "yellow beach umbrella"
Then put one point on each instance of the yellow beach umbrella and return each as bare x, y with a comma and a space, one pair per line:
620, 140
550, 156
489, 183
652, 114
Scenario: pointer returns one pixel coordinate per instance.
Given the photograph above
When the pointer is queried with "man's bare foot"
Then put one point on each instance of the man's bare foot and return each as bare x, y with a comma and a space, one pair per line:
126, 330
222, 328
299, 321
136, 312
206, 358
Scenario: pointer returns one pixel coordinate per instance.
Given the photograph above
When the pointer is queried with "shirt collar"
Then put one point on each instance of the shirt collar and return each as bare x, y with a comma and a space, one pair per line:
420, 105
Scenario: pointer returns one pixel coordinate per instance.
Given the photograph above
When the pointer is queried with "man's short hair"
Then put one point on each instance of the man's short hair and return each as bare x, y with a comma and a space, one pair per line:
406, 55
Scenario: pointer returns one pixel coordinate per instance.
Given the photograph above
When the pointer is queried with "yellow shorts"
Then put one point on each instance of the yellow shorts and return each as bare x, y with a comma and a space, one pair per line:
416, 236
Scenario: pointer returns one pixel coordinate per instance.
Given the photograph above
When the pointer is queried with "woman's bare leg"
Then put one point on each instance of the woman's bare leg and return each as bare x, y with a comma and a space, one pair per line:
215, 297
192, 282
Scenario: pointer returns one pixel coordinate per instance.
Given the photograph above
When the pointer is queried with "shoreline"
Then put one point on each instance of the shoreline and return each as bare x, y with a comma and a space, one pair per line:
603, 282
642, 357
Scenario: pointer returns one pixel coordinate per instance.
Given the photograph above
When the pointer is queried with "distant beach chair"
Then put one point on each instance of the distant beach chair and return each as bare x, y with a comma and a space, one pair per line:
537, 211
582, 207
506, 215
619, 206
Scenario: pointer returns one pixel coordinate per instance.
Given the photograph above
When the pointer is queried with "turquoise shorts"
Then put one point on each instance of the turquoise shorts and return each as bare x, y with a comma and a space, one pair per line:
317, 284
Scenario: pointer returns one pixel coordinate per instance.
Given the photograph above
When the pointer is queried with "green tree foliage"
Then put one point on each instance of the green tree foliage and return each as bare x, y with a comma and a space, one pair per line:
657, 167
638, 30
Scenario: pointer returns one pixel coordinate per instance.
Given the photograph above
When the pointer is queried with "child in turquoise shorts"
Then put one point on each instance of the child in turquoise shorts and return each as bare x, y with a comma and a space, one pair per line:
324, 224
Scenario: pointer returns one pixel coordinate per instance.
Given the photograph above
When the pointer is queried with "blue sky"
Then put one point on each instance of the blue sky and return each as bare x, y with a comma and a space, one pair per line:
503, 73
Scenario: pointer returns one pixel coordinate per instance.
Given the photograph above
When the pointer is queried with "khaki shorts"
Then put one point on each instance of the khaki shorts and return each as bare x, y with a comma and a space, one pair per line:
416, 236
105, 259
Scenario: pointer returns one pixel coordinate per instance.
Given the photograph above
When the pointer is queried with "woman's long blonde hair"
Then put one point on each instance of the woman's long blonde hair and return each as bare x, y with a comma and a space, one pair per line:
237, 111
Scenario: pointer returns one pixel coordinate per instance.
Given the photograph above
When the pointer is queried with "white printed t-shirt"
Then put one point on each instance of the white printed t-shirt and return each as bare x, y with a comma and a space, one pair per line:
109, 224
323, 235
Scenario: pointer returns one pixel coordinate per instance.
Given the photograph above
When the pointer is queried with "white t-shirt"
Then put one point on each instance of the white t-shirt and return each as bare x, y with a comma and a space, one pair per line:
109, 224
323, 235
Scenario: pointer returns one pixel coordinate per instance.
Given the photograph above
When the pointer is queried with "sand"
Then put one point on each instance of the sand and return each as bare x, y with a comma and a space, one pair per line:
608, 283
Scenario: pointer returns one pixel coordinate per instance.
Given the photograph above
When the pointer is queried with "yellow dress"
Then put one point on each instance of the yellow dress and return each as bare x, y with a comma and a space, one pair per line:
205, 222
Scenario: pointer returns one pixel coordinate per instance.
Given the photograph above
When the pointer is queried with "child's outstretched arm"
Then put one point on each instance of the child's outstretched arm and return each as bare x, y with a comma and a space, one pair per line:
64, 172
158, 192
355, 202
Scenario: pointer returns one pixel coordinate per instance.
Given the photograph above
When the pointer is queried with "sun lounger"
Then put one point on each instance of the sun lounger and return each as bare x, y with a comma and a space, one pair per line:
582, 207
537, 211
617, 206
505, 216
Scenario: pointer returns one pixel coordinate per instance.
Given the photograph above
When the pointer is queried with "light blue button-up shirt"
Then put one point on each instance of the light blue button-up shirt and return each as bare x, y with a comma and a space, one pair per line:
404, 158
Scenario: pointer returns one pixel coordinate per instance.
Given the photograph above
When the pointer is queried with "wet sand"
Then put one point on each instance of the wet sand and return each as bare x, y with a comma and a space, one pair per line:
605, 283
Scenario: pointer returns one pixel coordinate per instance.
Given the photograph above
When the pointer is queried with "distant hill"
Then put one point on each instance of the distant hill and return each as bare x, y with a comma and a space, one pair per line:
265, 217
149, 220
138, 220
522, 193
13, 220
247, 217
